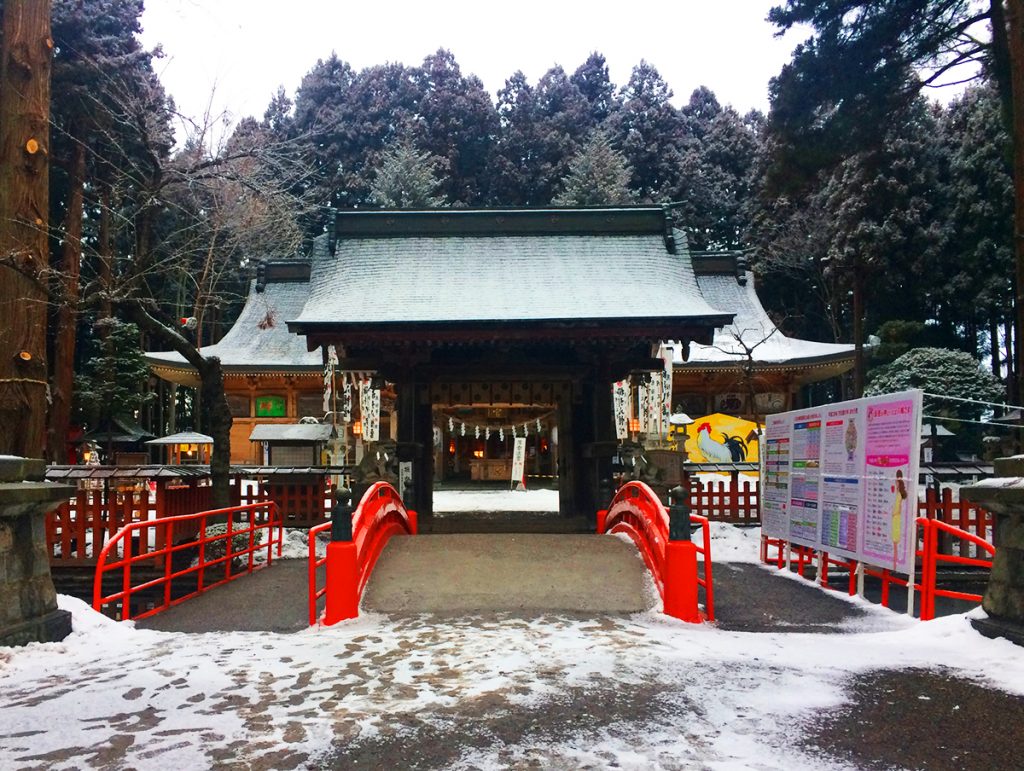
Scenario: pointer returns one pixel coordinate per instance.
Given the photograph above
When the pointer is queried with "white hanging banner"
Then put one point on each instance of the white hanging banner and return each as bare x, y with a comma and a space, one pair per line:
665, 387
369, 405
329, 367
346, 402
519, 459
620, 404
648, 397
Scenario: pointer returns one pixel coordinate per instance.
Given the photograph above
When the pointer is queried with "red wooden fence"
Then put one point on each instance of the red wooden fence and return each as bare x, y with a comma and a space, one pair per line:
77, 530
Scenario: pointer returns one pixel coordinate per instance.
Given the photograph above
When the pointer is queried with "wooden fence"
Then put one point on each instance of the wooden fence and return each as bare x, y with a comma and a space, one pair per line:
78, 529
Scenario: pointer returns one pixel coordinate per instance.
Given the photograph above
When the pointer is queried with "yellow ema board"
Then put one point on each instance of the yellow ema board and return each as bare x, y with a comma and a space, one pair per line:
719, 438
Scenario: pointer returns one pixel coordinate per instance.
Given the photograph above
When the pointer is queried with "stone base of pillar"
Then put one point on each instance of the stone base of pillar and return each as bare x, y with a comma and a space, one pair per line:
997, 627
49, 627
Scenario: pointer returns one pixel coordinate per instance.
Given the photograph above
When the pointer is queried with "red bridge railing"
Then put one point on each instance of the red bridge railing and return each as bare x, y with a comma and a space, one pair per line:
934, 541
636, 511
163, 562
379, 515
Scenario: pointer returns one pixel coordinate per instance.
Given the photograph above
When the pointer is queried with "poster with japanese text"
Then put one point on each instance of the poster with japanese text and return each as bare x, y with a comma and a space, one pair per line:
842, 478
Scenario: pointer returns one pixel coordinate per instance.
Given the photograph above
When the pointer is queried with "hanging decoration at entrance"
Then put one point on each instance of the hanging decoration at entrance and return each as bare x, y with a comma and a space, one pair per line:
329, 367
645, 404
665, 395
655, 396
369, 407
620, 404
516, 430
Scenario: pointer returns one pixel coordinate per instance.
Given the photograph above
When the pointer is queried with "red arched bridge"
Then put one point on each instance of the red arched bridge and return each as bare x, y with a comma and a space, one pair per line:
152, 565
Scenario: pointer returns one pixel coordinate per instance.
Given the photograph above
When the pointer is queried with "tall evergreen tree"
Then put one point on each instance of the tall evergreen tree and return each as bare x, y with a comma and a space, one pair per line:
598, 176
716, 171
593, 81
648, 131
458, 123
406, 178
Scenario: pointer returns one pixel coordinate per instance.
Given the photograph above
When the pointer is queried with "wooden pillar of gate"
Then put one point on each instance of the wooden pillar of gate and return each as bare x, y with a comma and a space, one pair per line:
416, 443
567, 455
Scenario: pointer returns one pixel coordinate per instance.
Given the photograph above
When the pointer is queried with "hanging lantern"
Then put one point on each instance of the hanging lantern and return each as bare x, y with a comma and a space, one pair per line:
357, 428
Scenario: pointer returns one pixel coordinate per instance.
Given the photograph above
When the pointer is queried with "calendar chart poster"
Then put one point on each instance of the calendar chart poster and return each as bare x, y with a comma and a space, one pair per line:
843, 478
775, 461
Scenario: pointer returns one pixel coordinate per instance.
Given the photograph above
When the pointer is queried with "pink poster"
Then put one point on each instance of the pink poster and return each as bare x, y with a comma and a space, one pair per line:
891, 433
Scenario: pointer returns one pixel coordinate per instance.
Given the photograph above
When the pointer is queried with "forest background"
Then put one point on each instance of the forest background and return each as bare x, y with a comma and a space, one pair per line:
864, 207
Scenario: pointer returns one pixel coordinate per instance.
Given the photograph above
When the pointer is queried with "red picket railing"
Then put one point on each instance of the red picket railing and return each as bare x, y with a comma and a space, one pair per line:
930, 553
380, 515
727, 500
315, 592
149, 550
636, 511
705, 551
933, 556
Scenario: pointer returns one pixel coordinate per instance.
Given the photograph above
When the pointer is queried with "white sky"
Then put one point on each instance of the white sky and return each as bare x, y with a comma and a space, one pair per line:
242, 50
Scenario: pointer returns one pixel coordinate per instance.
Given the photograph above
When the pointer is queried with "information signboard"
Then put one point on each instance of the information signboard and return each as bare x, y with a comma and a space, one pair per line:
842, 478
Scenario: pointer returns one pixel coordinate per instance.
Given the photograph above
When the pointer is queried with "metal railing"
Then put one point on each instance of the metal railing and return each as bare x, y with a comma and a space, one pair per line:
155, 554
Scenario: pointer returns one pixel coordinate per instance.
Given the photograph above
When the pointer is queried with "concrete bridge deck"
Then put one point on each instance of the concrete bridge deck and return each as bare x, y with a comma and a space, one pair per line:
515, 574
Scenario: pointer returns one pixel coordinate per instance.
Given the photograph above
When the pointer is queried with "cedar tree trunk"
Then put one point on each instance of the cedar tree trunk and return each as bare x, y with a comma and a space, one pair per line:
24, 207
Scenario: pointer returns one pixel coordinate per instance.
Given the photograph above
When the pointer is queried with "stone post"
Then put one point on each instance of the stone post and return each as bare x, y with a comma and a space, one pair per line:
1003, 495
28, 602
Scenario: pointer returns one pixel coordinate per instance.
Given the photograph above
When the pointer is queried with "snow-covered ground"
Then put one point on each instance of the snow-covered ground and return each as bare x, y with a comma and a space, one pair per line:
658, 693
114, 696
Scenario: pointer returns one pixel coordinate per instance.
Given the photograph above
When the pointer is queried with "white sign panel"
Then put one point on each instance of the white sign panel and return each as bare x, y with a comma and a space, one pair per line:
404, 477
519, 459
842, 478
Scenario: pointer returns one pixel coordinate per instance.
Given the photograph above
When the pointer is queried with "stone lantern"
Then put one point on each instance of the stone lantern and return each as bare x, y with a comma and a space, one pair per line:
28, 602
1003, 495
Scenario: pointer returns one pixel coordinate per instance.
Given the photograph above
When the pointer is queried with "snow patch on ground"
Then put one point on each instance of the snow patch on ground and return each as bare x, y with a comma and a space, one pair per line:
495, 500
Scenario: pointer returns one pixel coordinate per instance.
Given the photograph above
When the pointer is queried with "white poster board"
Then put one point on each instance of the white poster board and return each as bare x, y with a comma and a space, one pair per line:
842, 478
404, 477
519, 459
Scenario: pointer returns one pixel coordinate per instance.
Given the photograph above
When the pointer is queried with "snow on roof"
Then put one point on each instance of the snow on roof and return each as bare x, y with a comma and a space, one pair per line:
259, 338
458, 271
751, 329
183, 437
290, 432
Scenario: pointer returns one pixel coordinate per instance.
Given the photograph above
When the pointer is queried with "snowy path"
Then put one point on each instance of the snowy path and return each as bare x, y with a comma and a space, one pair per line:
560, 691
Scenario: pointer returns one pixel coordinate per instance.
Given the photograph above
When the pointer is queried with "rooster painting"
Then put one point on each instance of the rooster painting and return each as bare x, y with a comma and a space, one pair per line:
731, 449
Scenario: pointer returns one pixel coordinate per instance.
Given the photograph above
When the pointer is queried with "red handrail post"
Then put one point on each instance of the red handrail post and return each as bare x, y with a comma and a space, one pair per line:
602, 518
342, 582
681, 581
414, 521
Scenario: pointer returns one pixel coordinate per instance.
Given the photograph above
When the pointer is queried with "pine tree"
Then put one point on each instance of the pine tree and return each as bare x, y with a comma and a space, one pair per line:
407, 178
598, 176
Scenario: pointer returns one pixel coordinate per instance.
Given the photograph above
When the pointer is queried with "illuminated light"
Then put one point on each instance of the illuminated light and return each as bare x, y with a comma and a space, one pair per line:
634, 425
357, 428
24, 355
478, 453
451, 447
